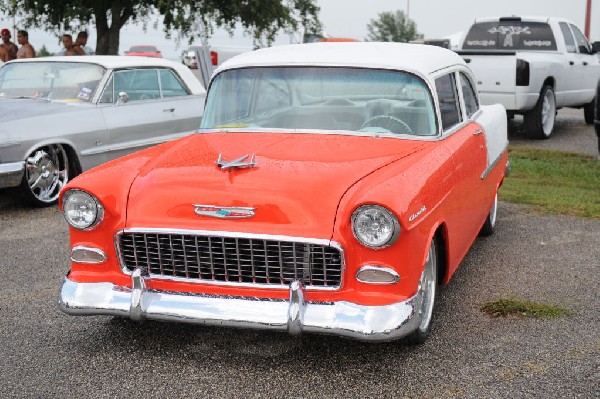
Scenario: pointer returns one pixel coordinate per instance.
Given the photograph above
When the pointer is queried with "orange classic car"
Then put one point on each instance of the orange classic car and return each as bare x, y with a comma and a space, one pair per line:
330, 189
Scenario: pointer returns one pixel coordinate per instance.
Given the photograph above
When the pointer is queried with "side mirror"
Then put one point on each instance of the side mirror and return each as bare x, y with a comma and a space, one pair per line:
595, 47
123, 98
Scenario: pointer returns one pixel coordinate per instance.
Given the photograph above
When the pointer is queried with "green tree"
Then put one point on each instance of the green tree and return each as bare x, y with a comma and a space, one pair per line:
392, 27
261, 19
43, 52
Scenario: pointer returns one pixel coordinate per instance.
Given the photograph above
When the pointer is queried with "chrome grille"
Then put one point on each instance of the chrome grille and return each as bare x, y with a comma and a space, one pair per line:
231, 259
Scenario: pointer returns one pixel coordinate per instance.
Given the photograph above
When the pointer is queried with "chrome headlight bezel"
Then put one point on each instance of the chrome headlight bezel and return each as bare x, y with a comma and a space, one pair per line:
90, 203
383, 214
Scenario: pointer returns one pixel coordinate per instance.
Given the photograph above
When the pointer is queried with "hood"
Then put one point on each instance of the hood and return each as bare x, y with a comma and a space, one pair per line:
295, 189
14, 109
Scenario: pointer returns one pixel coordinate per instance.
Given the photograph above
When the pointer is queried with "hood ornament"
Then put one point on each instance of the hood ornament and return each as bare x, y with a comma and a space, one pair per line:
224, 212
236, 163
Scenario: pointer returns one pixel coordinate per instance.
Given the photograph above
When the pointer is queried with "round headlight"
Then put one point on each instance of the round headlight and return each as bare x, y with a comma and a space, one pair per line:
82, 210
375, 226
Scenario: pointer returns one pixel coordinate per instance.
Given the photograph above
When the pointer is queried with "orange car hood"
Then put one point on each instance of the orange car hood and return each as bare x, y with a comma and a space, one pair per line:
295, 189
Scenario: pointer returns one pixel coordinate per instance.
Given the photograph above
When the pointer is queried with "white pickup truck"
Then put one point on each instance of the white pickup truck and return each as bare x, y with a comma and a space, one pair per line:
533, 66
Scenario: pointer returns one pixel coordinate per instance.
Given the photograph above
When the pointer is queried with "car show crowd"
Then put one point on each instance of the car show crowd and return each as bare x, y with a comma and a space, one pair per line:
10, 51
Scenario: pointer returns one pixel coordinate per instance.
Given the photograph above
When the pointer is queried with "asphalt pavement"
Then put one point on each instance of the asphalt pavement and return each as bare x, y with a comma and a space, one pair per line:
544, 258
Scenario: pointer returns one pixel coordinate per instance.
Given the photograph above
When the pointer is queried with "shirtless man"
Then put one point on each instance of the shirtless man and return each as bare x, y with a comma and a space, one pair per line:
26, 50
9, 46
3, 55
70, 48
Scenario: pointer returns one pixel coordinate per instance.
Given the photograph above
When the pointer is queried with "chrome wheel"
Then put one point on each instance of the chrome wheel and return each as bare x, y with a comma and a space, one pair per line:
548, 112
46, 172
490, 222
427, 288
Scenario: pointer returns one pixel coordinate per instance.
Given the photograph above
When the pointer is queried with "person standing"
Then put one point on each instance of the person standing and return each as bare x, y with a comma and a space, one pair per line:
26, 50
9, 46
81, 41
3, 54
70, 48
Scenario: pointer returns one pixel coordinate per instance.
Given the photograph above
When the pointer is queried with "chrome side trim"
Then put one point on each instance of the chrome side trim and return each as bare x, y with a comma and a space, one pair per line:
317, 241
342, 318
492, 165
11, 174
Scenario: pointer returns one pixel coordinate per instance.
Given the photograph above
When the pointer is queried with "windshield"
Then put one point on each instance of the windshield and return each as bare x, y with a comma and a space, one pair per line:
56, 81
355, 99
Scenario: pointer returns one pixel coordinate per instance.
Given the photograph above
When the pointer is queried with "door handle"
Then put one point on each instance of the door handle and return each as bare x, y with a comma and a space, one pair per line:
571, 63
584, 62
169, 110
477, 132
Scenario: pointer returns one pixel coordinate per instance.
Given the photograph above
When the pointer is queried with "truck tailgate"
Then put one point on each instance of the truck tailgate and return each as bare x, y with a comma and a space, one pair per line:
494, 73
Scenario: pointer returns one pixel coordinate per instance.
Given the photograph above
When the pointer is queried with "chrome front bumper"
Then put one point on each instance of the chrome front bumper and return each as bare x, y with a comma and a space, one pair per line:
366, 323
11, 174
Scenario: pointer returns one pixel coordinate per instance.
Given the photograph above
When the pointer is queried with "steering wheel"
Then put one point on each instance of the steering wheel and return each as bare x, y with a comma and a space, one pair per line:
391, 123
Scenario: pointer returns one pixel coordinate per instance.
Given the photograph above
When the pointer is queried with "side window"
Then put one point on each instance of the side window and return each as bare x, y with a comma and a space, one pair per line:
170, 85
109, 92
469, 96
568, 36
447, 95
139, 84
273, 94
582, 43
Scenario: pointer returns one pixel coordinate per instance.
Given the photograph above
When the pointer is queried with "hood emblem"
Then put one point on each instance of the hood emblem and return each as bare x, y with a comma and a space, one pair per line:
239, 163
224, 212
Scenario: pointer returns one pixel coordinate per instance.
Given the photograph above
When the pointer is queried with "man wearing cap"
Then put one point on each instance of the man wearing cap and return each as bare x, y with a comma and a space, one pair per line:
9, 46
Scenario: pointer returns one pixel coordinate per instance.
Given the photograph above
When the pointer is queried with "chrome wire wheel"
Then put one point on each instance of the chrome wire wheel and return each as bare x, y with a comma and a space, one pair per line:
427, 289
548, 112
46, 173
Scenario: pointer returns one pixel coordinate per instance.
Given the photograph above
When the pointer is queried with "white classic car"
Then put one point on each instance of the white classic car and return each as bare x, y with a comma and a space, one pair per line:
533, 66
60, 116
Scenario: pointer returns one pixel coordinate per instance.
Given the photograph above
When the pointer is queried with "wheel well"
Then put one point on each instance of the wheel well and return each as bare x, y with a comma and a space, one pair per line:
549, 82
441, 241
74, 165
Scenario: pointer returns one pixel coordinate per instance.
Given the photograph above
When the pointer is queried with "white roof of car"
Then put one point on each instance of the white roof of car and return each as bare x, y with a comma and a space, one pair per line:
418, 58
118, 62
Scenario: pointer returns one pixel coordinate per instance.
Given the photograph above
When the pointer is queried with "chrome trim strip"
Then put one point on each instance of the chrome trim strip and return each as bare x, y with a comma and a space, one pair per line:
435, 137
388, 270
342, 318
145, 143
489, 169
304, 240
90, 249
11, 174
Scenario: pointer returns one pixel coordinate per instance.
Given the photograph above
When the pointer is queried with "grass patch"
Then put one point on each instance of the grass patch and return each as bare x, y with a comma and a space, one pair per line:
553, 182
515, 306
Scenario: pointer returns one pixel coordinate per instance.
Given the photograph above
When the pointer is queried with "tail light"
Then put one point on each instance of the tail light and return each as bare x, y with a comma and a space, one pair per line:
522, 73
214, 58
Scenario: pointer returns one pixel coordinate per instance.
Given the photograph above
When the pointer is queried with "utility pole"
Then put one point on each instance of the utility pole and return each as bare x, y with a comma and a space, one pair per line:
588, 14
408, 8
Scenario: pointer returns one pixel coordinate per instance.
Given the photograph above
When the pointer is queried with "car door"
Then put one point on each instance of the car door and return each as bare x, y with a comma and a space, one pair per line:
567, 92
589, 67
188, 109
465, 141
136, 114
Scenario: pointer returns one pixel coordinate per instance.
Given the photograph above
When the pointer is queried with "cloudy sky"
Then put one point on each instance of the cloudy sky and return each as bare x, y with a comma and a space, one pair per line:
349, 18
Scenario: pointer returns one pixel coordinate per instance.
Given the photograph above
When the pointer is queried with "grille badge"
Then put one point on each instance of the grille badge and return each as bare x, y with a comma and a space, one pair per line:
221, 212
